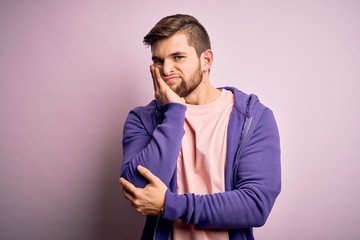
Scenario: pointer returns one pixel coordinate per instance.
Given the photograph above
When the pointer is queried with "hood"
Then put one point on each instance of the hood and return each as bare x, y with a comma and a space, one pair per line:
244, 103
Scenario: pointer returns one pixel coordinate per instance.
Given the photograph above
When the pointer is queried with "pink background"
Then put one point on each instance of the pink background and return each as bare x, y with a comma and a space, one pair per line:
71, 70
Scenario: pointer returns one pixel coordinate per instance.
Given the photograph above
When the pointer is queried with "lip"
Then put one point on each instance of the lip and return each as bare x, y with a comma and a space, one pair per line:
170, 78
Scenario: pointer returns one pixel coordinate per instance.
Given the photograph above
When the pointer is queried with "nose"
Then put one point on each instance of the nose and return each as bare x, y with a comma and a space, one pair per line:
167, 68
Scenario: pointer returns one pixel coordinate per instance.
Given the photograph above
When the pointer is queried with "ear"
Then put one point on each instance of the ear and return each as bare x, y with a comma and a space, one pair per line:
206, 60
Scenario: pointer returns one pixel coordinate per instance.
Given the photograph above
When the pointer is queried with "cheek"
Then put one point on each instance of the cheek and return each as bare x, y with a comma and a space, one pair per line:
184, 69
191, 68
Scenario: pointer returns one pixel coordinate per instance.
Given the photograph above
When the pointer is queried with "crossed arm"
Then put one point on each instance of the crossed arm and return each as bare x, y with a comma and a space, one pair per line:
247, 205
148, 200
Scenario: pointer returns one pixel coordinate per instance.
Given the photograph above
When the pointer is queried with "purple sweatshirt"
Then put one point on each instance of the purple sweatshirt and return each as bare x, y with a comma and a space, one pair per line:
152, 138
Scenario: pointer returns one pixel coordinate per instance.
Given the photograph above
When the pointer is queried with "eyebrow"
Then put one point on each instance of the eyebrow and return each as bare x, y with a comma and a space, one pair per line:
171, 55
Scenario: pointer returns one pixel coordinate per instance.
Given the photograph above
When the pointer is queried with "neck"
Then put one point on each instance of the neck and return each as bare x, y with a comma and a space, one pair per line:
205, 93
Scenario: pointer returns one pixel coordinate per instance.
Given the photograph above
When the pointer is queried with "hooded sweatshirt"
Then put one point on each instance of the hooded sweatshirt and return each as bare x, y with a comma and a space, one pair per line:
152, 138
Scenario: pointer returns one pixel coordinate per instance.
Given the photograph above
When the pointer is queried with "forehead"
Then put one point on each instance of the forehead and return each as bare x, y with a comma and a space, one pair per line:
167, 46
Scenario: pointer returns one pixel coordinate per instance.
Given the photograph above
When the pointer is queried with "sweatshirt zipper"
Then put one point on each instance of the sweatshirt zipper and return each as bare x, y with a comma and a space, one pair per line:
244, 236
156, 225
243, 136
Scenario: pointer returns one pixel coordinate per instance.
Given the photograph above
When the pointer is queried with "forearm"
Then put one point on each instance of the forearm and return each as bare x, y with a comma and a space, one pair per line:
233, 209
158, 150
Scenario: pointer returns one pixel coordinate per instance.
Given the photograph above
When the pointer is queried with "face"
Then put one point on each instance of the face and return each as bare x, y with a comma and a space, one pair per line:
178, 63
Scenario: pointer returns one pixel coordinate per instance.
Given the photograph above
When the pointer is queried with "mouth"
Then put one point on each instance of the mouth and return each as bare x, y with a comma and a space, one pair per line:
170, 79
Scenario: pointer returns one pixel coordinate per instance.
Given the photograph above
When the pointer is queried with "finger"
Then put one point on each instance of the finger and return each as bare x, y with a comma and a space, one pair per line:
128, 195
153, 75
127, 192
147, 174
160, 82
128, 186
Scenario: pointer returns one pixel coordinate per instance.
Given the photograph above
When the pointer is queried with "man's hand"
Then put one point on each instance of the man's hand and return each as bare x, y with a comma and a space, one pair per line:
148, 200
163, 93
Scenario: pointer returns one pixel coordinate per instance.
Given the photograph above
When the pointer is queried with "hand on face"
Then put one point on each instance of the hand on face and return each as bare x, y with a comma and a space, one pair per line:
163, 93
148, 200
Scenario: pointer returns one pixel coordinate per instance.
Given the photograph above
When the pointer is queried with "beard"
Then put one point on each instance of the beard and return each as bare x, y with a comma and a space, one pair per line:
187, 87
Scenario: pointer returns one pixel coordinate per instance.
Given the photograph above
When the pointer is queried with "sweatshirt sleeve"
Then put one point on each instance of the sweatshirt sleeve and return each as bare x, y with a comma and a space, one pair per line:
258, 184
158, 150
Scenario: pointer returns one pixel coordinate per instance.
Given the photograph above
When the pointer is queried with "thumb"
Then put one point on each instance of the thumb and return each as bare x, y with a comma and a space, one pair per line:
147, 174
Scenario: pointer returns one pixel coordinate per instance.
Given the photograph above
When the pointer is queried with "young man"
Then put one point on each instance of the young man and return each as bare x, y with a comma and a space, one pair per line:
200, 162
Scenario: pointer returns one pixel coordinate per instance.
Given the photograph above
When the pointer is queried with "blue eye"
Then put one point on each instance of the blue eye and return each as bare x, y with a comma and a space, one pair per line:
178, 57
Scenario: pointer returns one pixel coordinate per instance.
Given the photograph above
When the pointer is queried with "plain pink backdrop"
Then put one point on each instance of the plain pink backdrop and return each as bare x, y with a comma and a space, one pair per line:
71, 70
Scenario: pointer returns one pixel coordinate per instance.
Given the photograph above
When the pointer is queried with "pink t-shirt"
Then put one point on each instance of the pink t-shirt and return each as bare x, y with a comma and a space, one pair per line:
201, 162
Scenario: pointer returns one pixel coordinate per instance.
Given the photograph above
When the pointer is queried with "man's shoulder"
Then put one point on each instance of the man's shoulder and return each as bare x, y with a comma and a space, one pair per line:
144, 115
150, 107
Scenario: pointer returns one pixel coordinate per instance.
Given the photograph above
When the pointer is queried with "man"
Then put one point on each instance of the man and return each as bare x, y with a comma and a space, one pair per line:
200, 162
